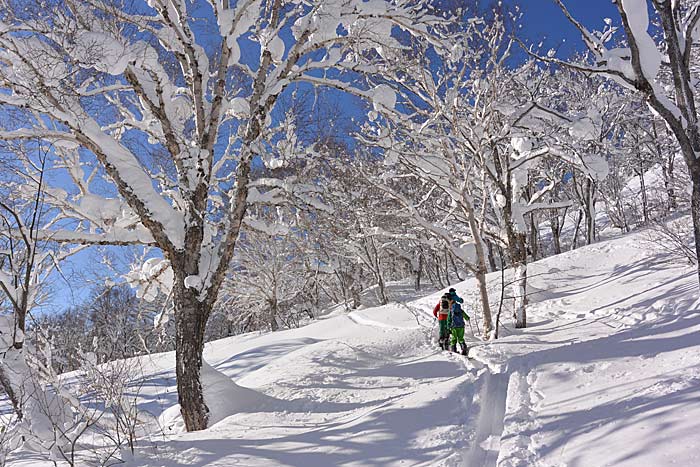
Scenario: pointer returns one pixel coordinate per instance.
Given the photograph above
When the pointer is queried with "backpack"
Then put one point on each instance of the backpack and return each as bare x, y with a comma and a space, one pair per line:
444, 305
456, 319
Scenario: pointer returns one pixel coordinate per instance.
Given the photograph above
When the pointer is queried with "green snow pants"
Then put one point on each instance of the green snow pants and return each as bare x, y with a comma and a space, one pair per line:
457, 336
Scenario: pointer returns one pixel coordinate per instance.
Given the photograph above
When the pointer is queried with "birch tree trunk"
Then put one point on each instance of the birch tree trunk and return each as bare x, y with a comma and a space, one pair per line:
519, 258
480, 272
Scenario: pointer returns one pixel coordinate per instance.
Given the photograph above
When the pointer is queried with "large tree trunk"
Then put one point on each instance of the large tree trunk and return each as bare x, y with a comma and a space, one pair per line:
520, 294
13, 369
191, 317
484, 296
481, 270
517, 249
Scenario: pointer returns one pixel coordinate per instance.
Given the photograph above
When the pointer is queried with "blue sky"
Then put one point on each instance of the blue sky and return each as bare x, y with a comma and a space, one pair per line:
543, 20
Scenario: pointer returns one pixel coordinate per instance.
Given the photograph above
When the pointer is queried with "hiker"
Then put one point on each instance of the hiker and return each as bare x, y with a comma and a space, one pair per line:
454, 297
456, 321
441, 312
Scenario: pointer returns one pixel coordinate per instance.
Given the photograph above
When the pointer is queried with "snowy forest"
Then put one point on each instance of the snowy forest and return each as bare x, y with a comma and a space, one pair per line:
226, 227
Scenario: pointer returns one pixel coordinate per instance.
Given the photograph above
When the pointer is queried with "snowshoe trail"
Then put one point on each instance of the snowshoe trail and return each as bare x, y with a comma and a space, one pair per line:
485, 446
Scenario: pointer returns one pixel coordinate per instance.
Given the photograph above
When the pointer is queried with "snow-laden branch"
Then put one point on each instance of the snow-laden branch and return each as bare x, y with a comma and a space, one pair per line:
37, 134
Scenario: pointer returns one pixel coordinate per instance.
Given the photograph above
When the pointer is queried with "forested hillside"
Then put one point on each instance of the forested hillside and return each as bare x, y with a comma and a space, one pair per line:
236, 220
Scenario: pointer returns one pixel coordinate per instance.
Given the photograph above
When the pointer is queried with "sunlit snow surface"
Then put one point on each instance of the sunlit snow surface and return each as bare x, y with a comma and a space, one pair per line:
607, 373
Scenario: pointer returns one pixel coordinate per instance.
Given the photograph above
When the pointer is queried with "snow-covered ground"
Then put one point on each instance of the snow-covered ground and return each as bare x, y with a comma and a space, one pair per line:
607, 373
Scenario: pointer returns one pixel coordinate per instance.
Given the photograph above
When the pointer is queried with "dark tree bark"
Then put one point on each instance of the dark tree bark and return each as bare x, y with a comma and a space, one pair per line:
191, 317
10, 391
556, 233
534, 236
491, 258
574, 241
418, 270
589, 210
455, 268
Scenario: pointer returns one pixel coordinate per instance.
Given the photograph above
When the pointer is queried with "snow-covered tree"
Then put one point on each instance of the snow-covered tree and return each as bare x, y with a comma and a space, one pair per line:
46, 413
170, 116
26, 264
266, 279
457, 146
645, 64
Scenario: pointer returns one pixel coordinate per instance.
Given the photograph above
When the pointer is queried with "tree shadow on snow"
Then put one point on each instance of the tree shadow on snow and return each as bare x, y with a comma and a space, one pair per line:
256, 358
669, 332
377, 437
624, 273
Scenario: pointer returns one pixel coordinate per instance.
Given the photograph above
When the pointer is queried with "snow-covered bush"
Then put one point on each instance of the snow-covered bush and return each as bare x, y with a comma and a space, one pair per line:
673, 237
114, 388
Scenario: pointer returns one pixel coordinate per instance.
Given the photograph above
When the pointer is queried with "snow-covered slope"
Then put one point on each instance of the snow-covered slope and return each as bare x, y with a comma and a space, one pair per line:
607, 373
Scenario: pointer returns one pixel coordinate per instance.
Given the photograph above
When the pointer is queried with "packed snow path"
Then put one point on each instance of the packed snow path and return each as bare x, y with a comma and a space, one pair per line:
607, 373
364, 388
489, 424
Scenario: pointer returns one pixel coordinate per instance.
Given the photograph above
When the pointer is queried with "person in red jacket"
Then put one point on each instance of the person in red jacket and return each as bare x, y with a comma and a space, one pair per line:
441, 312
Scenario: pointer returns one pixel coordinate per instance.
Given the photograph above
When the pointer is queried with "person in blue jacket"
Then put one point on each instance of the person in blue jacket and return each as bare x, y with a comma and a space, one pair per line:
454, 297
456, 321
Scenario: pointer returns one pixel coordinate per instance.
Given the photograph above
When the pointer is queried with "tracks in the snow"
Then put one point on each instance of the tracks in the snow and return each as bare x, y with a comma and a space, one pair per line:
489, 423
490, 397
489, 400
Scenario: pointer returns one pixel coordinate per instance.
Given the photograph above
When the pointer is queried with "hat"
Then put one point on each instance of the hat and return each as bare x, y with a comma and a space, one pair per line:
452, 291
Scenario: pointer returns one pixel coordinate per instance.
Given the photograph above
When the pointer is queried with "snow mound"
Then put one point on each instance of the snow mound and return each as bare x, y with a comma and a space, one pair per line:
223, 398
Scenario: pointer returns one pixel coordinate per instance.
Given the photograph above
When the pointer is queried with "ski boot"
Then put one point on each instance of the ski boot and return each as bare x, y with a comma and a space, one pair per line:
453, 348
465, 349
